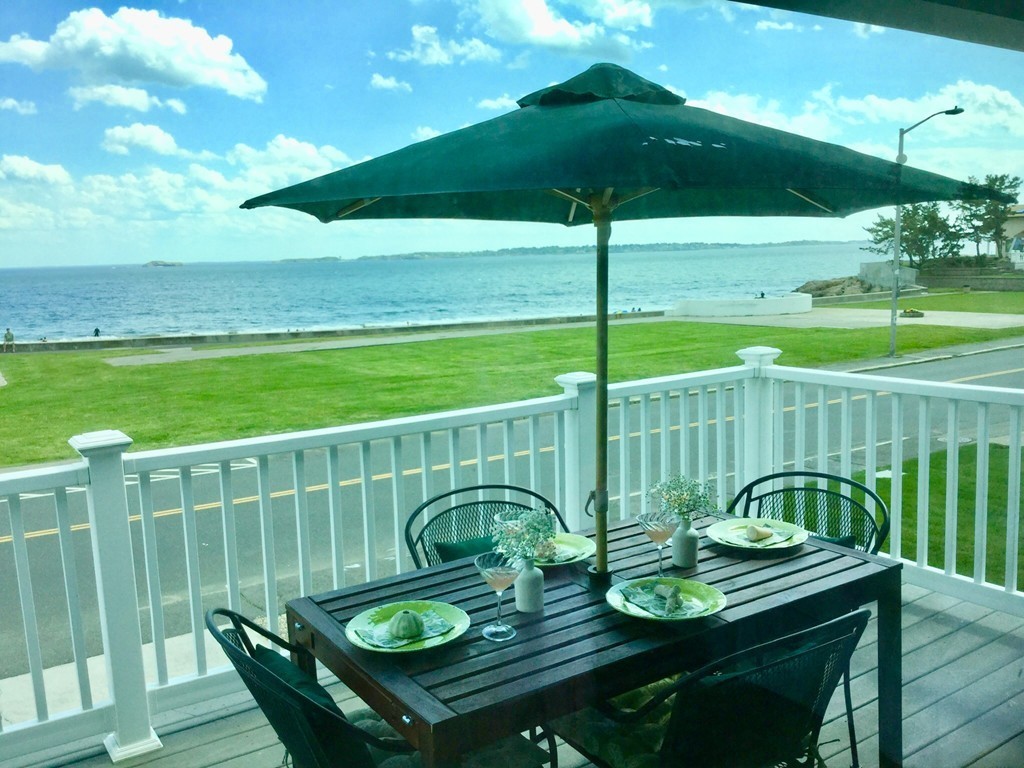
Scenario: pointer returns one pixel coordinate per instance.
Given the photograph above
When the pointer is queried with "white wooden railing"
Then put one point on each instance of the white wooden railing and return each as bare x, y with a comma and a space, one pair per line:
110, 562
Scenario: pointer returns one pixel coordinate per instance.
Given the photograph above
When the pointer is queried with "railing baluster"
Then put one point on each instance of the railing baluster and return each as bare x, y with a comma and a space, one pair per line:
799, 427
26, 595
645, 449
303, 560
923, 478
1013, 499
778, 429
398, 508
684, 432
625, 464
369, 511
509, 443
481, 454
702, 433
822, 428
952, 476
335, 511
267, 536
896, 464
845, 434
664, 434
75, 622
720, 440
152, 564
227, 516
534, 455
426, 464
870, 444
981, 497
195, 591
454, 458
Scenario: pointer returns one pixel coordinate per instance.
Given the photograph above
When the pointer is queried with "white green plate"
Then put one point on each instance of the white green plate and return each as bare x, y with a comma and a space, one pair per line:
733, 533
572, 548
375, 617
702, 599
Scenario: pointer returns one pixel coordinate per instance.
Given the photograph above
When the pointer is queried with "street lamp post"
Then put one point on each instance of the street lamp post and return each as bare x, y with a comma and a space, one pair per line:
897, 232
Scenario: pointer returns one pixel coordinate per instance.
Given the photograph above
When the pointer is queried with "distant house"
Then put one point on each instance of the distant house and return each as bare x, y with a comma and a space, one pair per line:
1014, 231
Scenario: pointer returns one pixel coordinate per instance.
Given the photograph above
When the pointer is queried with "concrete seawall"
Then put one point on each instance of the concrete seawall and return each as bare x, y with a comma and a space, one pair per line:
156, 342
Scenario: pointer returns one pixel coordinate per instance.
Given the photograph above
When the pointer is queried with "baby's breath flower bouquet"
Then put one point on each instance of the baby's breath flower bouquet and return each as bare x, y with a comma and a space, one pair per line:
682, 497
525, 534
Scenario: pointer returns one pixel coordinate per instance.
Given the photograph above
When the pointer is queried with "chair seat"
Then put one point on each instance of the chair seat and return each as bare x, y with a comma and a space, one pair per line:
609, 743
510, 752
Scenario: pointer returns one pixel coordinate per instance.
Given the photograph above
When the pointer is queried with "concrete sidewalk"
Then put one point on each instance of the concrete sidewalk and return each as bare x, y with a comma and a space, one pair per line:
827, 317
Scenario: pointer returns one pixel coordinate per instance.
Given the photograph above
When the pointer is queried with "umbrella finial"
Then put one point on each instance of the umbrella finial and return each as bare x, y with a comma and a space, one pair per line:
602, 81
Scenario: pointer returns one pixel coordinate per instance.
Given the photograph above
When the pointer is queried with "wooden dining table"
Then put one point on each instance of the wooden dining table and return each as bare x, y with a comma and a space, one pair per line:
470, 691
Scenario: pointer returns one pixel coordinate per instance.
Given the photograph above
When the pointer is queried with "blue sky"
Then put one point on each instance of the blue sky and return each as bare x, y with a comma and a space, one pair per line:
129, 134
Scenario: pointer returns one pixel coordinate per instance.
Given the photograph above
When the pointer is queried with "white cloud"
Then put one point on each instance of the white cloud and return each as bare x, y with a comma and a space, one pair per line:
775, 26
618, 14
21, 107
382, 83
121, 96
21, 168
136, 46
535, 22
502, 102
867, 30
986, 107
429, 49
120, 140
283, 161
812, 121
424, 132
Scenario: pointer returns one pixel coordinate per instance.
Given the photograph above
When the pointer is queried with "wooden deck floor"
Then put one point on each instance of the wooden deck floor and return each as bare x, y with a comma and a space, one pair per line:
963, 702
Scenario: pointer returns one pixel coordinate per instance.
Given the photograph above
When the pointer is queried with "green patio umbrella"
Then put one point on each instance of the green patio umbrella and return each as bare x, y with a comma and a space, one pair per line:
609, 144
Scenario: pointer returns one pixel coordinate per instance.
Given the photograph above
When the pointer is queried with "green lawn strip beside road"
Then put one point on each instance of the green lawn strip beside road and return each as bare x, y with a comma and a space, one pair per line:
999, 302
995, 543
53, 396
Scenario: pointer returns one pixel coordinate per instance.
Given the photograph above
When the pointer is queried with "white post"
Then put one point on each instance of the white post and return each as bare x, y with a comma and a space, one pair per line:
758, 442
579, 450
115, 586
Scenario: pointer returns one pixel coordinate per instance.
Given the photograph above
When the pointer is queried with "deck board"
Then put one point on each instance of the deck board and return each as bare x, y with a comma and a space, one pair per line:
963, 701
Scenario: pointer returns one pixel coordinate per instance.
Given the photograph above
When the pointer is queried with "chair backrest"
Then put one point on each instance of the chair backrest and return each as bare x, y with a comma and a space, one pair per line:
833, 507
314, 732
768, 701
465, 516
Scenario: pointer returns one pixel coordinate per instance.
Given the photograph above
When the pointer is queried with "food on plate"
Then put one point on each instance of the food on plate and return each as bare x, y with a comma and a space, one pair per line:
406, 624
758, 532
672, 595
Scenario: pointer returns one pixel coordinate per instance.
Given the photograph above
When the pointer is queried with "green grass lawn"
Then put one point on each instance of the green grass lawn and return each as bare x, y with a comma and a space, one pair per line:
1001, 302
52, 396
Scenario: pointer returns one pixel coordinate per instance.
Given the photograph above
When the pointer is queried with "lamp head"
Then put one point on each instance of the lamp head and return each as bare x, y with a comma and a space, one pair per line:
954, 111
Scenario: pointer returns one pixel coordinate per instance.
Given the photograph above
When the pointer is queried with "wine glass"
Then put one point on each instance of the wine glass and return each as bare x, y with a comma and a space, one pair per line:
499, 572
659, 526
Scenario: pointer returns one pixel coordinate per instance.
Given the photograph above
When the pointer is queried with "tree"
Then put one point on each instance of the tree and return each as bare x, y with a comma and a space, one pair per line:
995, 213
970, 219
925, 234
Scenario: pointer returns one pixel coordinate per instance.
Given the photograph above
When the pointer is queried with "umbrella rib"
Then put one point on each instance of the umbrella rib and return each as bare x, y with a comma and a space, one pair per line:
805, 198
353, 207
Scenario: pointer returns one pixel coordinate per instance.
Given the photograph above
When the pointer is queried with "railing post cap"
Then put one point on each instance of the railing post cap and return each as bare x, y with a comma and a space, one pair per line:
103, 439
759, 355
576, 379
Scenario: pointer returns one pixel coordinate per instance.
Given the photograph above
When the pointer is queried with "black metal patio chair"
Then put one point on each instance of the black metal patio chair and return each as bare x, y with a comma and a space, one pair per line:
458, 523
311, 726
831, 507
763, 706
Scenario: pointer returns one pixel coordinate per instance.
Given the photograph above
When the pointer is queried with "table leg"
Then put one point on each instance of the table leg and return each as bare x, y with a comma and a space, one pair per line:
890, 674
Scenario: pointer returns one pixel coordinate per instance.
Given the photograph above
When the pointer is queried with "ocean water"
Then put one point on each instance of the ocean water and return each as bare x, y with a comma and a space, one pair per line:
123, 301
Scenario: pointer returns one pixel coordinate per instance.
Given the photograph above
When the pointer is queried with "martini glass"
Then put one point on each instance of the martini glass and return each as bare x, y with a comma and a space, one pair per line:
659, 526
499, 572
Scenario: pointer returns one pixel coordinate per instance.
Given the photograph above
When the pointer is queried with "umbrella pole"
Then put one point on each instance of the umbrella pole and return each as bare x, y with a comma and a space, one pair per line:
602, 220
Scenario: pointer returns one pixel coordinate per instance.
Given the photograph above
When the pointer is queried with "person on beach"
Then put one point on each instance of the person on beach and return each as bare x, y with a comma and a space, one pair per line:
96, 333
8, 341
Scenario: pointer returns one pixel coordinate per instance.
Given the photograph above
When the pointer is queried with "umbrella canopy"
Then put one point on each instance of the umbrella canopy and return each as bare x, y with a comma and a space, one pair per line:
610, 144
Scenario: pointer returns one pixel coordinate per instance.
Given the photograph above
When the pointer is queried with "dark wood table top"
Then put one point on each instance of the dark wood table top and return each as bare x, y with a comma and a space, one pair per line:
470, 691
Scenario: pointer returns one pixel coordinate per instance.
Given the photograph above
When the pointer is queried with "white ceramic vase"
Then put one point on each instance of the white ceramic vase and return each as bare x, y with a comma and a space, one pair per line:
685, 543
529, 589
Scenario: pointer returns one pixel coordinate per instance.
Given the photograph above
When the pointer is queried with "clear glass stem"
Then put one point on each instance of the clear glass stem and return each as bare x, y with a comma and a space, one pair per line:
500, 623
660, 546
